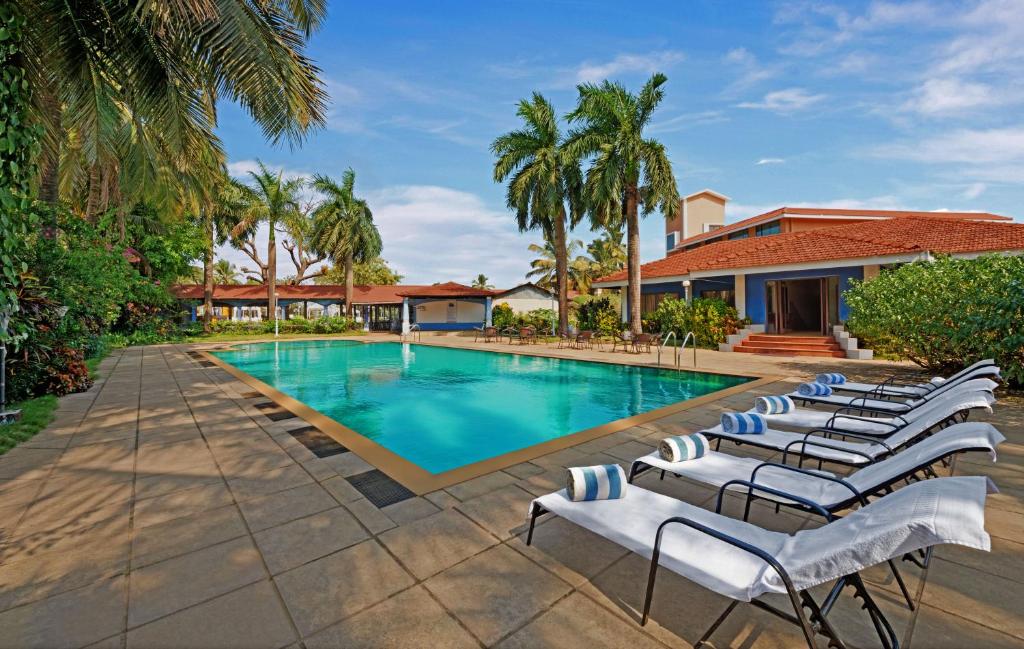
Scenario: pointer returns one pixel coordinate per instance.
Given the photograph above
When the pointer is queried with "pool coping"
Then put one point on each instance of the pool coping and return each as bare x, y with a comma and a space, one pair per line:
421, 481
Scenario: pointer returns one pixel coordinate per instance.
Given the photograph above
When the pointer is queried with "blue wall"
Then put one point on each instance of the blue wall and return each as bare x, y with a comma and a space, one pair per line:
756, 292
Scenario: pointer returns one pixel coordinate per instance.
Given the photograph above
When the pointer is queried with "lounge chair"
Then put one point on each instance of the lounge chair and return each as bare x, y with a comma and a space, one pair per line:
895, 387
820, 443
742, 561
882, 406
844, 419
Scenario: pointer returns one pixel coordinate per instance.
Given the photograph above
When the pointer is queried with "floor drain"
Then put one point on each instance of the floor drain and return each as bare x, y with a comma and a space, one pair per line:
321, 444
379, 489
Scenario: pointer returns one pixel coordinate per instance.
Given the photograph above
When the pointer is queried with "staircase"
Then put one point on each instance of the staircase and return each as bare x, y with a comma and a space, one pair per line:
781, 345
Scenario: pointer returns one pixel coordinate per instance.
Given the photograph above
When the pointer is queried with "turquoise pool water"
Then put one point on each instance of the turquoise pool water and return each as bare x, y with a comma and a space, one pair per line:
443, 408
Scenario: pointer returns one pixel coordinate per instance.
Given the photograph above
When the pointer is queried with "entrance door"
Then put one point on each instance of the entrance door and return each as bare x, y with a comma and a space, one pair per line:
452, 313
799, 305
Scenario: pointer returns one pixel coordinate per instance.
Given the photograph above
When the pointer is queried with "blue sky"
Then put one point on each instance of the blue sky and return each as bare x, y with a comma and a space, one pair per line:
876, 105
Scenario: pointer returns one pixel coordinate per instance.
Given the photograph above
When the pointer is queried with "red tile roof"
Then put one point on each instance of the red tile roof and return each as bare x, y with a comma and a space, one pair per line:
372, 294
837, 212
448, 289
909, 235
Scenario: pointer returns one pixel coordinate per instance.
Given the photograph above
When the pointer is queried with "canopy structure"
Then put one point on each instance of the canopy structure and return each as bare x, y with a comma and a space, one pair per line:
448, 307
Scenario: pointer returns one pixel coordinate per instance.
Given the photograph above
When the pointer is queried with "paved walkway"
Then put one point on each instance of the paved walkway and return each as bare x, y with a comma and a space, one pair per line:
162, 509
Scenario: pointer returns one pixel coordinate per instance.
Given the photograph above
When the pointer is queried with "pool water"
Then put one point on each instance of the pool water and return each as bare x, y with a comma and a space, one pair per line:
442, 408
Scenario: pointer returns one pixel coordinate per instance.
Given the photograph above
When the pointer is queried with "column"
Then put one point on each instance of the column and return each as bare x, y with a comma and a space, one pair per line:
688, 288
405, 315
192, 312
366, 318
624, 304
740, 287
487, 311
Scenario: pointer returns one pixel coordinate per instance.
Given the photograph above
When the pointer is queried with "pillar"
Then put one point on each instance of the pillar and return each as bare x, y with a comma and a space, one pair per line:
624, 304
740, 284
688, 288
192, 313
366, 318
488, 303
405, 315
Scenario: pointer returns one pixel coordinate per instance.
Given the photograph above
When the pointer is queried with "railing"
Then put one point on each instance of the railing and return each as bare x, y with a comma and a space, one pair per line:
664, 341
414, 332
692, 338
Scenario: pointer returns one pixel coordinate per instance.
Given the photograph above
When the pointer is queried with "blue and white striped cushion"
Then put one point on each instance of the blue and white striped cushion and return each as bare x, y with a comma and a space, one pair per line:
814, 390
774, 405
744, 423
833, 378
683, 447
602, 482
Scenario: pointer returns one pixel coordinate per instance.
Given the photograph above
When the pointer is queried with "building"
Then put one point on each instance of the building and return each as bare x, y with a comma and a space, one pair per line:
526, 297
787, 269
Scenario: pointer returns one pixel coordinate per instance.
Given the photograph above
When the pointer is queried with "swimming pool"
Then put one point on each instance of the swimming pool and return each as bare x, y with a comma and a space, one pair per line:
442, 408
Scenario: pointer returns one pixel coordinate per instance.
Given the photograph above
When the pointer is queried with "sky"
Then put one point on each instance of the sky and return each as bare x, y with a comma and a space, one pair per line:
882, 105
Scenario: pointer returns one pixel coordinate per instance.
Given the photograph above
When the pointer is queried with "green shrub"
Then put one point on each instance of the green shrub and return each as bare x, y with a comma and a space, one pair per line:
330, 325
945, 314
598, 314
503, 316
710, 320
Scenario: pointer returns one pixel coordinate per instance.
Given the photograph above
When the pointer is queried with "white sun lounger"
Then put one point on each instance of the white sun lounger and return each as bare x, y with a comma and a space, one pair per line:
892, 387
867, 449
844, 419
883, 406
742, 561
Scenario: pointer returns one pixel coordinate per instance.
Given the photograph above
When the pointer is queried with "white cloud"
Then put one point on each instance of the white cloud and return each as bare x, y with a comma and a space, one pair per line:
950, 96
785, 101
751, 71
688, 120
240, 169
770, 161
593, 72
966, 146
974, 190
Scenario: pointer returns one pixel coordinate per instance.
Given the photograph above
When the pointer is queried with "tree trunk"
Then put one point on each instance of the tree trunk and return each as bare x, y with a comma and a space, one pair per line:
561, 272
633, 260
208, 274
349, 281
271, 274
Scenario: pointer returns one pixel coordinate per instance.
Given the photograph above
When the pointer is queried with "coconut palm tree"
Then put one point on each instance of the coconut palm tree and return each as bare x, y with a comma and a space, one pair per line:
344, 228
218, 217
607, 252
224, 272
126, 92
543, 270
544, 185
482, 281
628, 171
271, 200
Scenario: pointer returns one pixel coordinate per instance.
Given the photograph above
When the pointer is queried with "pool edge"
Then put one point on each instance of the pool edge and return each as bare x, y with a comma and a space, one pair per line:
421, 481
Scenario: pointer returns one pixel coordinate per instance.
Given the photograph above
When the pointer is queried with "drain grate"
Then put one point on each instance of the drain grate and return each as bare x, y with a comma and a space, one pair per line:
266, 405
251, 395
321, 444
278, 415
379, 489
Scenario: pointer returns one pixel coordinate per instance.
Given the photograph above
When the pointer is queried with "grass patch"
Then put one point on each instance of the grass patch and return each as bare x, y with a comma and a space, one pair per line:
36, 414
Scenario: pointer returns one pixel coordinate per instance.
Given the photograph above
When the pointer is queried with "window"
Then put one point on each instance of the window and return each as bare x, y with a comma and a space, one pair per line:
729, 296
765, 229
670, 241
740, 234
649, 301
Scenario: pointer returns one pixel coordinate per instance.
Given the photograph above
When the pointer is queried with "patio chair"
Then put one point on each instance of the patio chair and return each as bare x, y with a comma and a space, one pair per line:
897, 386
891, 407
624, 340
821, 443
744, 562
644, 342
584, 339
527, 336
490, 334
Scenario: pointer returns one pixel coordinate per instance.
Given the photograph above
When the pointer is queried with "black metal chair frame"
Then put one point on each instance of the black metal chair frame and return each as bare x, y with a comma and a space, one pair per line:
863, 399
899, 380
810, 625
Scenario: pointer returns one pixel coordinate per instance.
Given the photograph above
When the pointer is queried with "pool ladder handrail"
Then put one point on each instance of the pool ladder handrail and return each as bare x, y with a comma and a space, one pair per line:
692, 338
414, 332
664, 341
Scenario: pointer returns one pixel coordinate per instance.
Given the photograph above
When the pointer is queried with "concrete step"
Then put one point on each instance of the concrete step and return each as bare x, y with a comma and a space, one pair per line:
789, 351
831, 345
782, 338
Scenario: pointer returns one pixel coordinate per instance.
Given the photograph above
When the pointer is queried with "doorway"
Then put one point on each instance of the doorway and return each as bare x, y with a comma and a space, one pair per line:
802, 306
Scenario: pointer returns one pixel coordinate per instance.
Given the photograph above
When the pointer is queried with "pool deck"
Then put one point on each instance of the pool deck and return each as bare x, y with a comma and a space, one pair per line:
162, 508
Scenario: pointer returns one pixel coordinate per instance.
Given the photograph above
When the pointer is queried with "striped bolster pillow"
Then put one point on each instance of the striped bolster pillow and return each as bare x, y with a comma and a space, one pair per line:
602, 482
814, 390
937, 380
773, 405
744, 423
683, 447
833, 378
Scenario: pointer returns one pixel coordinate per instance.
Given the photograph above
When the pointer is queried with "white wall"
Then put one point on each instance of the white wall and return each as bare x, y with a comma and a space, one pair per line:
437, 312
523, 305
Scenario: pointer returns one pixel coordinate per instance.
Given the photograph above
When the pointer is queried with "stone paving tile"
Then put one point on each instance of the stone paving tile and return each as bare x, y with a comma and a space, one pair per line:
496, 592
480, 486
409, 510
341, 489
409, 619
432, 544
503, 513
188, 534
339, 585
272, 481
181, 503
171, 585
250, 618
374, 519
556, 546
292, 544
72, 619
267, 511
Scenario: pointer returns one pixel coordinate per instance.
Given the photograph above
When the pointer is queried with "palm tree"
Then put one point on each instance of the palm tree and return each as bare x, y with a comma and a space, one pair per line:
126, 92
481, 281
543, 180
607, 252
627, 170
543, 269
218, 217
271, 201
224, 272
344, 227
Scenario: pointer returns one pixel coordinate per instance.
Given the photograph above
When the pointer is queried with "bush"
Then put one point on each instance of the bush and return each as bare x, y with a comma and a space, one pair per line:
945, 314
503, 316
330, 325
598, 314
710, 320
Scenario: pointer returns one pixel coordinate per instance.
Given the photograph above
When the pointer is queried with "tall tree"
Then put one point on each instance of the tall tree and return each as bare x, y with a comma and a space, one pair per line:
628, 171
481, 281
127, 91
229, 200
543, 269
298, 229
544, 184
607, 252
224, 272
272, 199
374, 271
344, 231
